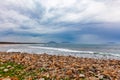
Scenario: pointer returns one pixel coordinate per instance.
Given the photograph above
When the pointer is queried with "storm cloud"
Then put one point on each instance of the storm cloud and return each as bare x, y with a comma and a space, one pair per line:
79, 21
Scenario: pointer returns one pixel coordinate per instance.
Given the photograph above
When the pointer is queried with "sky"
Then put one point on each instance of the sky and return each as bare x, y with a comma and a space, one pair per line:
76, 21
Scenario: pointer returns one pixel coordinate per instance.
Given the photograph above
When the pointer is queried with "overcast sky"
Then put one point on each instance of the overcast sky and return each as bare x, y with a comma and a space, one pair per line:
78, 21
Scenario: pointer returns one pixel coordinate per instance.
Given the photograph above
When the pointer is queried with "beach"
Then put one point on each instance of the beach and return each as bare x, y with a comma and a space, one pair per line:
60, 40
25, 66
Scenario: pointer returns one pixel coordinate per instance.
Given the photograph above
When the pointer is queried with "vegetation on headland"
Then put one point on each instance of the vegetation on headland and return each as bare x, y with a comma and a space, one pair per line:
23, 66
20, 43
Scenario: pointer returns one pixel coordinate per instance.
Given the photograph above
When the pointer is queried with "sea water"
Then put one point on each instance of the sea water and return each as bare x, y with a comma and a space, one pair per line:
106, 51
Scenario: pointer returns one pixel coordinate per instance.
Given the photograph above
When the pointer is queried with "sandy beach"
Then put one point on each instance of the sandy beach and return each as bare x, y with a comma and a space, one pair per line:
52, 67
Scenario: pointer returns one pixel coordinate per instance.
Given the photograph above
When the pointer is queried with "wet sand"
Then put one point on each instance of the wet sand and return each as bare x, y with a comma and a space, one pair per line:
54, 67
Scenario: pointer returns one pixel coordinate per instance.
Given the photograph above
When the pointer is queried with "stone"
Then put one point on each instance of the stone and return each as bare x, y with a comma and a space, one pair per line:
82, 76
9, 66
6, 79
69, 72
42, 79
5, 70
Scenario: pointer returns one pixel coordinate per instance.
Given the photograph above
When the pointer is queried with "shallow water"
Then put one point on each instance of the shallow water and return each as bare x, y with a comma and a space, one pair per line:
106, 51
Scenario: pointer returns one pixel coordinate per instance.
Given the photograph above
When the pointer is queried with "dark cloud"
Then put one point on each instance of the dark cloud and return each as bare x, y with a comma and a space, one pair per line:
60, 20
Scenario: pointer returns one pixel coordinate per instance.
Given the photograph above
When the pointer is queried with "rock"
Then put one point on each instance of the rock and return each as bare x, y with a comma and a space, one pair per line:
6, 79
58, 67
118, 71
93, 78
69, 72
101, 76
14, 78
105, 77
82, 76
5, 70
9, 66
42, 79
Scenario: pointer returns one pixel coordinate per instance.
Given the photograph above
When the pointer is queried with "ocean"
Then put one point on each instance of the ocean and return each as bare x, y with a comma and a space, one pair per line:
106, 51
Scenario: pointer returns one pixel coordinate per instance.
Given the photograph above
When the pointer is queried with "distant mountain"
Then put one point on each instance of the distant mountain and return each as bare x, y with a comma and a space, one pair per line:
65, 42
111, 43
52, 42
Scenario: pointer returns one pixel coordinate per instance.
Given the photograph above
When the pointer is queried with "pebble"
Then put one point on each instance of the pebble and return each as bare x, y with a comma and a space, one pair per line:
41, 79
9, 66
81, 75
5, 70
101, 76
6, 79
63, 66
69, 72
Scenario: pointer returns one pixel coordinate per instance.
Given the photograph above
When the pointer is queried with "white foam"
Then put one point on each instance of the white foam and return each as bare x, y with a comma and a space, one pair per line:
109, 54
117, 55
75, 51
62, 50
14, 50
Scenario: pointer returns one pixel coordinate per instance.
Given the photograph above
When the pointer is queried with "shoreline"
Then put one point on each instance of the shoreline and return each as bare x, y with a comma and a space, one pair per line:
62, 67
58, 51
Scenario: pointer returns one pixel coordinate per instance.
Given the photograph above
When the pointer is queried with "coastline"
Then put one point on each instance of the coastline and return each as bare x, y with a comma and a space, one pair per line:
23, 48
45, 66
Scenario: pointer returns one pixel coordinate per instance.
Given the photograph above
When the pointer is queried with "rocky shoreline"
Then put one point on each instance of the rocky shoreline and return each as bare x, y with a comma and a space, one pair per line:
51, 67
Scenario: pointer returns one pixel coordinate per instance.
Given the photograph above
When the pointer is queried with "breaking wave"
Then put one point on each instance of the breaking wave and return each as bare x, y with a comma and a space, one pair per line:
75, 51
62, 51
